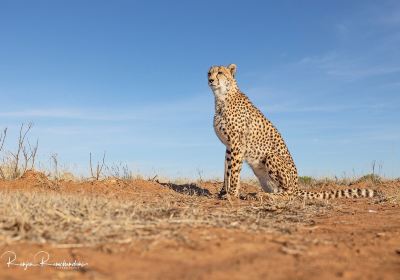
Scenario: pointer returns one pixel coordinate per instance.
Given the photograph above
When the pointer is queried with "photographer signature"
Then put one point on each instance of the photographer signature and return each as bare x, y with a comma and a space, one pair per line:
40, 259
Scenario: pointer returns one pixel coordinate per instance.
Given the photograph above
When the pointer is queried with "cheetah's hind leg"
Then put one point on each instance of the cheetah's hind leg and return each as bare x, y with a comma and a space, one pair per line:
262, 173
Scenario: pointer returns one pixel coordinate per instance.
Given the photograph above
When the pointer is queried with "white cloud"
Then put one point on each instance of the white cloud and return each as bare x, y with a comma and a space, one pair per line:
355, 67
288, 102
178, 109
325, 108
43, 113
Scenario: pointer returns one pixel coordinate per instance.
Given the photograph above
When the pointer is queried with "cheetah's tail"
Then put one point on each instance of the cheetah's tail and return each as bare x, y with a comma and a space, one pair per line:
332, 194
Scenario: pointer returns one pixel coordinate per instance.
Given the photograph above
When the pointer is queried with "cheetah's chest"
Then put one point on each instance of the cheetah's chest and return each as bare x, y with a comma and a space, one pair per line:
220, 129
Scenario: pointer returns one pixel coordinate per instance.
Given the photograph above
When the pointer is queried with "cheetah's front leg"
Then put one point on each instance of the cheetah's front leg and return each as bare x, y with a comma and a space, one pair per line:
227, 174
233, 166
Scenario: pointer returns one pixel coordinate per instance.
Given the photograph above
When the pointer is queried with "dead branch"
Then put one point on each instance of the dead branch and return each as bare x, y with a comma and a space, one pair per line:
154, 179
25, 152
55, 165
99, 167
33, 152
3, 136
21, 149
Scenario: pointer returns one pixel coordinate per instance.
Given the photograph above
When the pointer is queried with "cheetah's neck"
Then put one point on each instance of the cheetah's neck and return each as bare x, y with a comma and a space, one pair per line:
222, 96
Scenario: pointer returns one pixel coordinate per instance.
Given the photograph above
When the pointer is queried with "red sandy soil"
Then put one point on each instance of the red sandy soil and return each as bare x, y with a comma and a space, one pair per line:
355, 239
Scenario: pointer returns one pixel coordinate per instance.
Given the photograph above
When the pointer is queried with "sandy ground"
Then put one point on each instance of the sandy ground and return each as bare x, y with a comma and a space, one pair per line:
344, 239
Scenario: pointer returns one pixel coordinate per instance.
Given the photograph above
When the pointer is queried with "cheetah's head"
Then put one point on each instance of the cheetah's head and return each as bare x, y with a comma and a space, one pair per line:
221, 79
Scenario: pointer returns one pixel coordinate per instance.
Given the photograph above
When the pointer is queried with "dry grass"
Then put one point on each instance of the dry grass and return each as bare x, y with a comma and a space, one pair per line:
74, 219
394, 196
369, 179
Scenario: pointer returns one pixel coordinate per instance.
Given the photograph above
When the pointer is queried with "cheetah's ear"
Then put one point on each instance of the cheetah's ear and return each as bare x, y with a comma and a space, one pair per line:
232, 68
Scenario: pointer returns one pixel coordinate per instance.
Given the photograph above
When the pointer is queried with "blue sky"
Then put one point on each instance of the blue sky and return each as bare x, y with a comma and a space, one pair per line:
129, 78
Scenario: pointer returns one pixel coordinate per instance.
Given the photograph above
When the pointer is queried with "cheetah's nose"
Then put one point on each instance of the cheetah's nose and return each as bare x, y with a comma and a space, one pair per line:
210, 80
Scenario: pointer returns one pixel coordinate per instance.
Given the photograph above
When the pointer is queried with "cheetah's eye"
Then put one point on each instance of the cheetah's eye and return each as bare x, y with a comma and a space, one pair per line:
220, 73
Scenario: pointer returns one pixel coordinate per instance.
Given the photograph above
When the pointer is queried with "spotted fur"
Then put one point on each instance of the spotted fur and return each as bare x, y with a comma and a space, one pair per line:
249, 136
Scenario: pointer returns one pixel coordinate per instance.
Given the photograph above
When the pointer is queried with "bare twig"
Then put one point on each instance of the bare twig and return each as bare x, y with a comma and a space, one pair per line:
3, 136
99, 167
154, 179
373, 167
200, 174
23, 158
55, 163
33, 151
22, 151
90, 163
119, 171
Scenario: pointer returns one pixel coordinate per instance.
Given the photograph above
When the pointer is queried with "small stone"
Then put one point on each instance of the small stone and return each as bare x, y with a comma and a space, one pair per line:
380, 234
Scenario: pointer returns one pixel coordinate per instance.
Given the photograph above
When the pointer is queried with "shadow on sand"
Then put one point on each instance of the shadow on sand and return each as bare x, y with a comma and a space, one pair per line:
188, 189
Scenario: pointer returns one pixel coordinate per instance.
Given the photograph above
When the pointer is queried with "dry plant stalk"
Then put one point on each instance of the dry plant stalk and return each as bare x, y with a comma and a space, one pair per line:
28, 156
23, 159
3, 136
54, 160
99, 167
119, 171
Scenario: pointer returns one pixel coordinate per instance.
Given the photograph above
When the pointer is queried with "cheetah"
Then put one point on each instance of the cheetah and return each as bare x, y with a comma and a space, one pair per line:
249, 136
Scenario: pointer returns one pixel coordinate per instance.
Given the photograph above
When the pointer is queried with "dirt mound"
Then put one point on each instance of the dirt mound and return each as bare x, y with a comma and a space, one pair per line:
33, 175
33, 178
